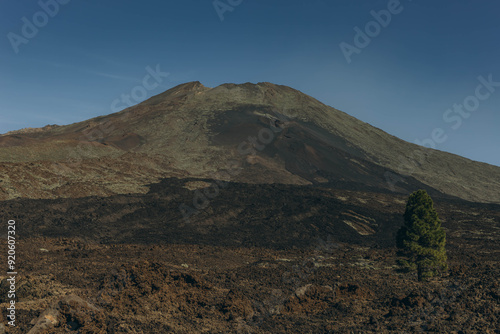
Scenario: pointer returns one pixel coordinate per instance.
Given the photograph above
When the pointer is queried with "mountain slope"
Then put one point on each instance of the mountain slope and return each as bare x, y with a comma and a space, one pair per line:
254, 133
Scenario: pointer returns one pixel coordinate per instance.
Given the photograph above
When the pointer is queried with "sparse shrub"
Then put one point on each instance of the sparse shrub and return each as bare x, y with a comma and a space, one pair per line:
421, 238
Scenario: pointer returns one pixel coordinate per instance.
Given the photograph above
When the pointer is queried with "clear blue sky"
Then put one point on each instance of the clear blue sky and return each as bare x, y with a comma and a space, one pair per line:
420, 64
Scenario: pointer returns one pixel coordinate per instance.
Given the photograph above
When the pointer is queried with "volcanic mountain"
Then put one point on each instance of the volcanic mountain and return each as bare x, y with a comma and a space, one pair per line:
251, 133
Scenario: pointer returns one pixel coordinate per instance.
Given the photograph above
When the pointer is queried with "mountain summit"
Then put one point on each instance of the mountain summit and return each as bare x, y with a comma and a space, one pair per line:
254, 133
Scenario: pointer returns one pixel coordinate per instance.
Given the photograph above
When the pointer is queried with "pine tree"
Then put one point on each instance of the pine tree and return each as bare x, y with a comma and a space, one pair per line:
421, 238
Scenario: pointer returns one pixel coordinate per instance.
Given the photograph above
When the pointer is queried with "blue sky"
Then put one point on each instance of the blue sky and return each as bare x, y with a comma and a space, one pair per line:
415, 67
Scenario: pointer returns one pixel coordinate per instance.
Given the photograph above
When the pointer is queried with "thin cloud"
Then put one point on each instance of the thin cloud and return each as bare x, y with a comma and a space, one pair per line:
106, 60
112, 76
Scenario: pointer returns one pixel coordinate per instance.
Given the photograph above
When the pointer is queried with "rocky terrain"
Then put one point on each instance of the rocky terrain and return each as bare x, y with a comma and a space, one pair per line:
258, 259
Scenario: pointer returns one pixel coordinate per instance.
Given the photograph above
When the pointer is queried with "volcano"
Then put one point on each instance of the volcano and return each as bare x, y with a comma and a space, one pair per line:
253, 133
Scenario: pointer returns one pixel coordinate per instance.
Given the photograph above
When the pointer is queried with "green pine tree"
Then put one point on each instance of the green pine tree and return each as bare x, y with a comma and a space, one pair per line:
421, 238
